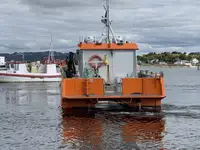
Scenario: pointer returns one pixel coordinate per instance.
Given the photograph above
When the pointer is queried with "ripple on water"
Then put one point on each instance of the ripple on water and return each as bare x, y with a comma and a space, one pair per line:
31, 119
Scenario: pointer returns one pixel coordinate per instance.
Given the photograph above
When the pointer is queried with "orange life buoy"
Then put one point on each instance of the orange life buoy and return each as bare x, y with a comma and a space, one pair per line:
93, 65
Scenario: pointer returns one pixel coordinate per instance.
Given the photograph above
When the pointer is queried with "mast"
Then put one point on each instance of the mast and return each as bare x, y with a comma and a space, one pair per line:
51, 53
23, 56
106, 21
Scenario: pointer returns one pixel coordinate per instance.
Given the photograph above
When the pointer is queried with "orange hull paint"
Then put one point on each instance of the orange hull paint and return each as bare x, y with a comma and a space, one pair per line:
136, 92
106, 46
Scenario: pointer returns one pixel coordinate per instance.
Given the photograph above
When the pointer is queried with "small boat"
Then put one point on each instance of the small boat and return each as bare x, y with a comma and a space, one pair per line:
190, 65
35, 72
108, 73
19, 72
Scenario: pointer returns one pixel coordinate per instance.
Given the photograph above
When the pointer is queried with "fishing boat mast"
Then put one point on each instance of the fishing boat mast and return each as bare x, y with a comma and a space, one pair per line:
51, 53
23, 57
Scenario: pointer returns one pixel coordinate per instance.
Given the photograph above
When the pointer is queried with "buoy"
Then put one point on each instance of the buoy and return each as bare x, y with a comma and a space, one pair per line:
106, 60
93, 64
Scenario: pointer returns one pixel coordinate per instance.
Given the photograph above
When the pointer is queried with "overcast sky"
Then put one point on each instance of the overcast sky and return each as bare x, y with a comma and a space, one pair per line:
159, 25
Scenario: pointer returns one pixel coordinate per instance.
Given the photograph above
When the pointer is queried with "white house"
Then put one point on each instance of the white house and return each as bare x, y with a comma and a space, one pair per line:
195, 61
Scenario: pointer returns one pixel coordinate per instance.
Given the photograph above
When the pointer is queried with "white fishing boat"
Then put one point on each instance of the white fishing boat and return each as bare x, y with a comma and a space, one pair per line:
23, 72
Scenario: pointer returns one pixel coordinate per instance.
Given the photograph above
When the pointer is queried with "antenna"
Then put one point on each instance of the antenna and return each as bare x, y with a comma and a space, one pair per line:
106, 21
23, 56
51, 53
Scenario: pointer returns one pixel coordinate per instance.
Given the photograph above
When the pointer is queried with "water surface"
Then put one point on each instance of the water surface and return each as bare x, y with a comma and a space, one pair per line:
30, 119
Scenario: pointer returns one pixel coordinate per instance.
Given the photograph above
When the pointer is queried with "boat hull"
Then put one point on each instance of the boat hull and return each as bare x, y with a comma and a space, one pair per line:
11, 77
136, 93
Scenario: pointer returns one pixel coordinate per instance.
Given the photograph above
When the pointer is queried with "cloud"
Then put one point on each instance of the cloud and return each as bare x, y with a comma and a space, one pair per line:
59, 3
26, 25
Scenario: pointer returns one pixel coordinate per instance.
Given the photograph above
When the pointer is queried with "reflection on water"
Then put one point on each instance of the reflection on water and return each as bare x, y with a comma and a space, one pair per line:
31, 119
18, 95
146, 132
105, 130
80, 132
22, 94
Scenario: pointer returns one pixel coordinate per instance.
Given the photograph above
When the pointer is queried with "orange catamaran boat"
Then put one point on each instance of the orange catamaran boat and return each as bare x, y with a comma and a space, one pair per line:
108, 74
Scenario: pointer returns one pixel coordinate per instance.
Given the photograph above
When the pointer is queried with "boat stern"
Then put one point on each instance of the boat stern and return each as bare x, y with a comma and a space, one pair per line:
136, 93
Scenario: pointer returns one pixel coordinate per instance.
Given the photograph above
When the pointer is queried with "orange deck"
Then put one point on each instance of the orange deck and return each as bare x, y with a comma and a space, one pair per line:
103, 97
82, 92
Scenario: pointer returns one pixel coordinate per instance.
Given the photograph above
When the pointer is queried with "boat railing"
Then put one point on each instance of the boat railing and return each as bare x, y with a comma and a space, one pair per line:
150, 74
129, 87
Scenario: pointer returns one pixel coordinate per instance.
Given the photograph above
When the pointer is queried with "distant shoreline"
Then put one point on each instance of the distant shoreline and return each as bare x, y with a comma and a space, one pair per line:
168, 65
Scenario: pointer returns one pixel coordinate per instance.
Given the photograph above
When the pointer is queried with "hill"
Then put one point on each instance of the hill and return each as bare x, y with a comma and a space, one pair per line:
168, 57
32, 56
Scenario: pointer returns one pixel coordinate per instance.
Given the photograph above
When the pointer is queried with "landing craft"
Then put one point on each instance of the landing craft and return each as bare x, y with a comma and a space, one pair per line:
108, 74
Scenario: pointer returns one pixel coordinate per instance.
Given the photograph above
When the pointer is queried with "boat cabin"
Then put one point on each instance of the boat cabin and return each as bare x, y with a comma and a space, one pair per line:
20, 67
113, 60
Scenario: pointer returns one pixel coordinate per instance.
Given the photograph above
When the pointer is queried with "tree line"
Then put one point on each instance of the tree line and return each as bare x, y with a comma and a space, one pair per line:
146, 58
32, 56
168, 57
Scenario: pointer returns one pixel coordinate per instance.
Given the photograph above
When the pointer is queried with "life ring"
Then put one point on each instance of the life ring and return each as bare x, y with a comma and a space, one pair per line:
93, 65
